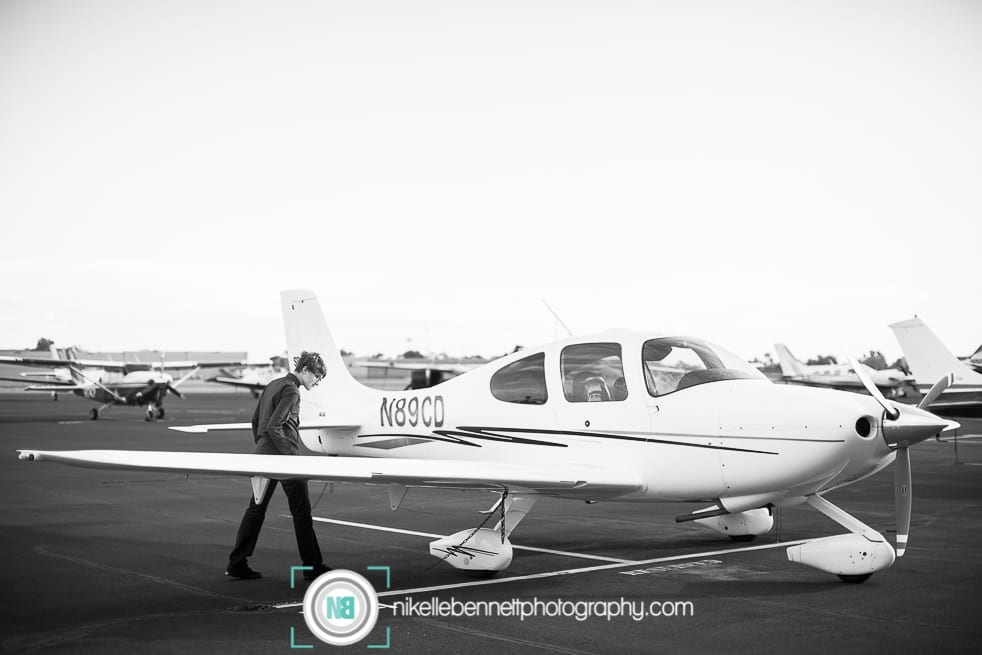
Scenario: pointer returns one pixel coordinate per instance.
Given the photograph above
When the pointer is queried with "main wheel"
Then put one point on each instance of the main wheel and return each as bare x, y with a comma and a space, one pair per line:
160, 413
94, 414
855, 579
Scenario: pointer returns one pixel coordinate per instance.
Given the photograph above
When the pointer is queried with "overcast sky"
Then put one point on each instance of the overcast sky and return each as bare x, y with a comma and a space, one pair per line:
750, 172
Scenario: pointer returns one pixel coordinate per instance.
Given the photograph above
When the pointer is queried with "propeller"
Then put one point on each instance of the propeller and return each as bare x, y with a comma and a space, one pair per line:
904, 426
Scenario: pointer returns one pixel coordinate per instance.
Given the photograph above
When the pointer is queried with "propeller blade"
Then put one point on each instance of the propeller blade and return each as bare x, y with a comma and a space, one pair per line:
902, 497
936, 390
892, 412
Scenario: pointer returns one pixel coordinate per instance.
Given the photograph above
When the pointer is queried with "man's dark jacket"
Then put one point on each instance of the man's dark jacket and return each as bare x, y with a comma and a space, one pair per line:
276, 420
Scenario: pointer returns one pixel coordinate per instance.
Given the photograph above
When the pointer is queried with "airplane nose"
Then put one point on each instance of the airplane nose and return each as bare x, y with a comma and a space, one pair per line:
913, 425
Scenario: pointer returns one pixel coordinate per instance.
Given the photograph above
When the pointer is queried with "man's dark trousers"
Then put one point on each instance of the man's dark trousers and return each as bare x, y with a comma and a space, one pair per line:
303, 524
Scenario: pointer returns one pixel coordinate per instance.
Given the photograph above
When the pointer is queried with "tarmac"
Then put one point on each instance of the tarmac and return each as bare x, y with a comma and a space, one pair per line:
125, 562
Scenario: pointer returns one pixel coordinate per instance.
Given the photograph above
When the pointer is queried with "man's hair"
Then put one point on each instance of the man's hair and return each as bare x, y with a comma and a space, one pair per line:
313, 362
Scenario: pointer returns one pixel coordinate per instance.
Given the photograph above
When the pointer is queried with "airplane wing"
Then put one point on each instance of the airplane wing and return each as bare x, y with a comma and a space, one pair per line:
47, 362
586, 480
237, 382
72, 386
236, 363
27, 379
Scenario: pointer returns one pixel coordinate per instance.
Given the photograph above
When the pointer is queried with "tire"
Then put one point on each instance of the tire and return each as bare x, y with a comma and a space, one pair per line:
855, 579
94, 414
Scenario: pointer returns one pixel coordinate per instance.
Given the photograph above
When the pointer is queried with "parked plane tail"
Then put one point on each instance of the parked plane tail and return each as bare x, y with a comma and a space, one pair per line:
927, 357
790, 366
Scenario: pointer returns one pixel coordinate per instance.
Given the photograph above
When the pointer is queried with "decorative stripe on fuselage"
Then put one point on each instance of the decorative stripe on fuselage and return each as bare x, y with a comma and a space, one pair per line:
464, 433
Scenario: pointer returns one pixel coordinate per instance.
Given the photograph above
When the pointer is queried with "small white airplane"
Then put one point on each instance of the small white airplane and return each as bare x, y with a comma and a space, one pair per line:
890, 381
112, 383
253, 378
423, 373
619, 416
927, 356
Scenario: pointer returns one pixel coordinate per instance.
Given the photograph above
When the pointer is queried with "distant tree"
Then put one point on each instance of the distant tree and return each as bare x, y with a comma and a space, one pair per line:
378, 356
517, 348
822, 360
44, 344
346, 353
411, 354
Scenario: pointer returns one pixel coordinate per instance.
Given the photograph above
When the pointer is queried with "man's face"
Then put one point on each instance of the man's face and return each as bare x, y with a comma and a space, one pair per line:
309, 379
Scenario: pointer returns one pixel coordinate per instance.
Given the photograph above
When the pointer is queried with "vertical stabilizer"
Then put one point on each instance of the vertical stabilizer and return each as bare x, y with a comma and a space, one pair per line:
306, 329
928, 359
790, 366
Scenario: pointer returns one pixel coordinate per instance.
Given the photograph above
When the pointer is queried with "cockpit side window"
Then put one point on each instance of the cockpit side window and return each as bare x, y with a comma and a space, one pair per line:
593, 372
675, 363
522, 382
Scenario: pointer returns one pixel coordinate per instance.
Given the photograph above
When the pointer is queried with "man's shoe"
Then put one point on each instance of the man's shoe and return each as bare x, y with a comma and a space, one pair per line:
243, 572
317, 572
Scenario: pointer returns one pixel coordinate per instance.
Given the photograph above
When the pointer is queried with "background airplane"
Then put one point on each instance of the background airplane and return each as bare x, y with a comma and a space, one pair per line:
253, 378
927, 356
113, 383
423, 373
891, 382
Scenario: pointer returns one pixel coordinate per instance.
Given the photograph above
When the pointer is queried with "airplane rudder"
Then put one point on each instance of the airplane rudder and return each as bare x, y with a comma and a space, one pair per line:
306, 329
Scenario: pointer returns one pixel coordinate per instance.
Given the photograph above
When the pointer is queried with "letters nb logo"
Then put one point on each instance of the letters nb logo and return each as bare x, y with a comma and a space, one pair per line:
340, 607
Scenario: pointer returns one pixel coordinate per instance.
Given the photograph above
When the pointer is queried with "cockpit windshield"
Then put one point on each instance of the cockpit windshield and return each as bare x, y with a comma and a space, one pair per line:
674, 363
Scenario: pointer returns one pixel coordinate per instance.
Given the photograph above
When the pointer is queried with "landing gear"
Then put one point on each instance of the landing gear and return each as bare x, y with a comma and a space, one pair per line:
160, 412
482, 552
94, 414
854, 557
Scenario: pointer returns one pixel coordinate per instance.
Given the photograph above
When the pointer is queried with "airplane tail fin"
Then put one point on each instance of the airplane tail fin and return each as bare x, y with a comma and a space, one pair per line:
790, 366
927, 357
306, 329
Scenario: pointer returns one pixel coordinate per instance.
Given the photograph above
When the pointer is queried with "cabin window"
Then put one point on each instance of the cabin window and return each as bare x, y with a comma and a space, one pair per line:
522, 382
593, 372
675, 363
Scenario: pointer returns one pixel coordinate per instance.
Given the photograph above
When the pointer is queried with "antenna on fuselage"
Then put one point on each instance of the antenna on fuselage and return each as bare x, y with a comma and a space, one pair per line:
569, 332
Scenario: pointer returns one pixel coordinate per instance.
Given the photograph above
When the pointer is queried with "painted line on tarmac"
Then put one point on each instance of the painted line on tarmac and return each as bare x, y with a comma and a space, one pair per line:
967, 437
586, 569
430, 535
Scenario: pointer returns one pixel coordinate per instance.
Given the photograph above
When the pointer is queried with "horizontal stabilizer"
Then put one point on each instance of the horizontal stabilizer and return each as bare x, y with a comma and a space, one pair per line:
215, 427
579, 479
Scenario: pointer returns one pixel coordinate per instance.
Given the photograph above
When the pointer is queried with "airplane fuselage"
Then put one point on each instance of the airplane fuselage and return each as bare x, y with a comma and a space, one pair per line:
745, 441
